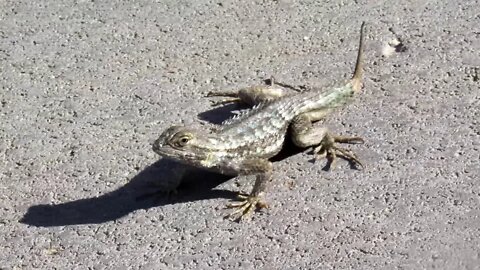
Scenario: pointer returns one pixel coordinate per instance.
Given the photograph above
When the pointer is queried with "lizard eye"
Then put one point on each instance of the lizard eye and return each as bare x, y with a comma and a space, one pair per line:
182, 141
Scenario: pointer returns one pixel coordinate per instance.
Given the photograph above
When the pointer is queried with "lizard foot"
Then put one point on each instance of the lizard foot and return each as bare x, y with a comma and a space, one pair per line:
245, 206
328, 149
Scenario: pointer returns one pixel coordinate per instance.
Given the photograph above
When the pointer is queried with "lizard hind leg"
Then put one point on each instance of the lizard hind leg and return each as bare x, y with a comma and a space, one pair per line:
325, 144
251, 95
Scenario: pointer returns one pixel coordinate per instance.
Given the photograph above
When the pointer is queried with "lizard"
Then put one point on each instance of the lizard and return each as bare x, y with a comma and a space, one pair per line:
244, 144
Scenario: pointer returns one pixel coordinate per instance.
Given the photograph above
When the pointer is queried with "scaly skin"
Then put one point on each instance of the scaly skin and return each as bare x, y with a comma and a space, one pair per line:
243, 144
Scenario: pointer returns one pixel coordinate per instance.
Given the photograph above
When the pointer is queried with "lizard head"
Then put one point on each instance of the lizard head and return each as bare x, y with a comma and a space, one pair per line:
181, 144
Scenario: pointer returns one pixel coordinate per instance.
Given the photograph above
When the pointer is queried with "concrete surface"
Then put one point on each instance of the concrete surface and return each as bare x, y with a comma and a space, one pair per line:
86, 86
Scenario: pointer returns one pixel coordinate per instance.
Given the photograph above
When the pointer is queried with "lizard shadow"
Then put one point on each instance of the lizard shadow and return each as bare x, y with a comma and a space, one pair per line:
130, 197
137, 193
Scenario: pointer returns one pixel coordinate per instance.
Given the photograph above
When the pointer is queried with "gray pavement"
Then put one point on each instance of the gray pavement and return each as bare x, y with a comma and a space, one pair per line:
86, 86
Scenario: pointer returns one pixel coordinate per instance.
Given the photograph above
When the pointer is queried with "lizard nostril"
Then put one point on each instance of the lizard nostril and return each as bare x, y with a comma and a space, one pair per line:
156, 145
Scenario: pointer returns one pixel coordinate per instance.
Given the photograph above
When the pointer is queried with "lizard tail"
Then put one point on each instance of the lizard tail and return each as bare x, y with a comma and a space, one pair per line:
357, 74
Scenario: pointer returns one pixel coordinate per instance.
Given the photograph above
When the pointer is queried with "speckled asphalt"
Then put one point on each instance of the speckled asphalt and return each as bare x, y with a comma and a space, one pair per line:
86, 86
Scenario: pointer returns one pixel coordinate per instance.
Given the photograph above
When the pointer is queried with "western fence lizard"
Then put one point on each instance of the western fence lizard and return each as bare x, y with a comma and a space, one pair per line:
244, 144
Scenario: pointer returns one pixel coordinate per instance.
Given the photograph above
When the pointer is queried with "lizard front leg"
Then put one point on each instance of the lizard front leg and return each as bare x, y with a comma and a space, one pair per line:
263, 170
305, 135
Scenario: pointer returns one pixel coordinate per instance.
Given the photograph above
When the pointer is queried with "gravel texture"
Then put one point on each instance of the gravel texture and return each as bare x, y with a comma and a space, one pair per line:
86, 86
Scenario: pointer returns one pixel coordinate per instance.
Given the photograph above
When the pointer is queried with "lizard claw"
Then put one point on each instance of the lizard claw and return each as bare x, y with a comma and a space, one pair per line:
246, 205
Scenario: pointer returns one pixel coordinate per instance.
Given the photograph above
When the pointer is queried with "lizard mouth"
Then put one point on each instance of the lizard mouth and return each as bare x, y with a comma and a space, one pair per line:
170, 152
158, 147
164, 150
